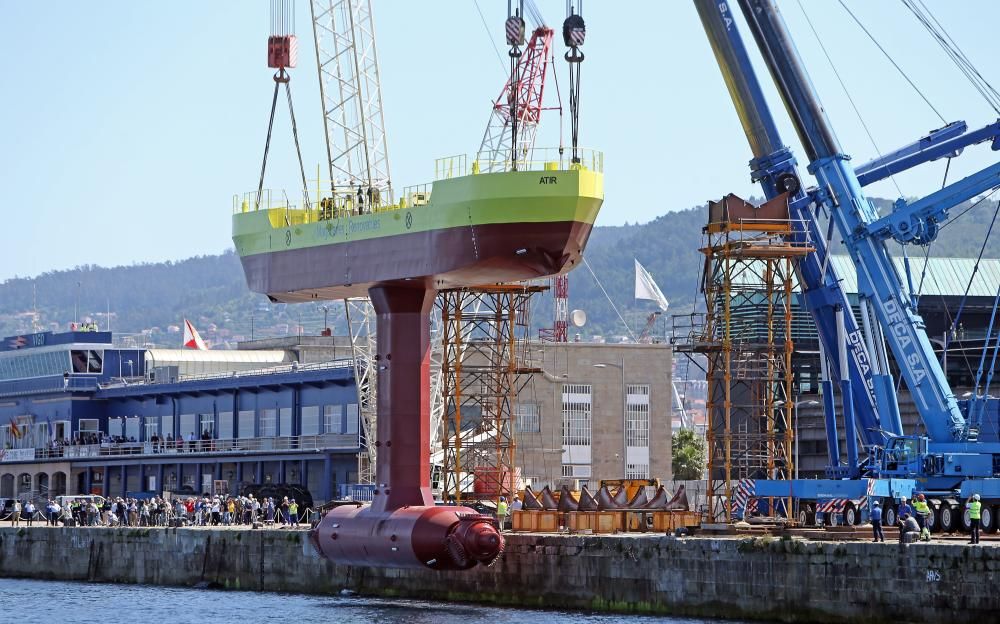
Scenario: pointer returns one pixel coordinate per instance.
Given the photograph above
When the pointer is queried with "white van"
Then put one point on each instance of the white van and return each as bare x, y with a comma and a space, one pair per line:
66, 500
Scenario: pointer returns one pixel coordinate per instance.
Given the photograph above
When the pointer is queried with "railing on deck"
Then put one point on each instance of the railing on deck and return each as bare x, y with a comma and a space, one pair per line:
317, 205
538, 159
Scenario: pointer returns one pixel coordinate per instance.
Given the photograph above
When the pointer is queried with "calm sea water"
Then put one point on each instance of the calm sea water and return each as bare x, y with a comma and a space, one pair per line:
70, 603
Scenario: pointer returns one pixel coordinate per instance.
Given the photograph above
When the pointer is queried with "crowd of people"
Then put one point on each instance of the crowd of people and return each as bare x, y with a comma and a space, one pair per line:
190, 511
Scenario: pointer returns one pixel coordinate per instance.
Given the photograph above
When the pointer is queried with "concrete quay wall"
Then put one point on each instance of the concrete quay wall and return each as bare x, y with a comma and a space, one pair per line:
751, 578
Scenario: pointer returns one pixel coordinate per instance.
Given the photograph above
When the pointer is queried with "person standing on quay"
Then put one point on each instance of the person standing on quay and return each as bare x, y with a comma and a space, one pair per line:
975, 515
904, 509
877, 523
16, 514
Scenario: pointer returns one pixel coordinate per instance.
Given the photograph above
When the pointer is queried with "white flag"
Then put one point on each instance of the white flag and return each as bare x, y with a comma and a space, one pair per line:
646, 288
191, 338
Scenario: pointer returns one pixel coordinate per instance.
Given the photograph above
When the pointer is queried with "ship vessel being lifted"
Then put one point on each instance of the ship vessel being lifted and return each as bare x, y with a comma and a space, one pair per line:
467, 228
512, 213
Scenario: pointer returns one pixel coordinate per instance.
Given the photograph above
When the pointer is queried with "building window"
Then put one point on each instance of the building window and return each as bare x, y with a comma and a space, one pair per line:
189, 426
637, 417
637, 471
132, 425
152, 427
526, 418
268, 423
246, 424
115, 427
168, 427
89, 425
576, 414
285, 421
352, 419
87, 361
310, 420
225, 425
208, 424
333, 418
575, 471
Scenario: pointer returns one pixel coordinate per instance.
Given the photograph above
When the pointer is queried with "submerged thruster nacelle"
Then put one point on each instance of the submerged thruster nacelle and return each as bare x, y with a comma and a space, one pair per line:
403, 527
437, 537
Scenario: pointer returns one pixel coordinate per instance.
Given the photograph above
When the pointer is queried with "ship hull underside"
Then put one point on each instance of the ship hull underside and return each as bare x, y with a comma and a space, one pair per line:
442, 258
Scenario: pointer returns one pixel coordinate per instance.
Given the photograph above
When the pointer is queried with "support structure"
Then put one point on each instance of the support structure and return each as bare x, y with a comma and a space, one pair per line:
361, 329
403, 527
747, 341
559, 332
485, 337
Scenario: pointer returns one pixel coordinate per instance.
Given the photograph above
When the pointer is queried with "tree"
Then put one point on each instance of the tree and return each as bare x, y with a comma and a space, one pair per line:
688, 455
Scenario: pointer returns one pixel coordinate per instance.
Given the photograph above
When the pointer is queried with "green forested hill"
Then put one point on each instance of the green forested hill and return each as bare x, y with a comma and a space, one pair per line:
210, 290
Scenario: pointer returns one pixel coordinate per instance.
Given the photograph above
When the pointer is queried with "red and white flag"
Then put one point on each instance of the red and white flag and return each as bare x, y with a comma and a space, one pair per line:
191, 338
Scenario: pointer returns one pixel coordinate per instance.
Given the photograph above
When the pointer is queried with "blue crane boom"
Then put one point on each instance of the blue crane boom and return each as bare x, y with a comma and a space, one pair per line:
775, 168
950, 460
863, 232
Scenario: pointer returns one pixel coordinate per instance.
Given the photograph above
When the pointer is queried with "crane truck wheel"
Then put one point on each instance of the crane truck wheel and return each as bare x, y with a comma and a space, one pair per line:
949, 518
988, 520
807, 516
851, 515
889, 518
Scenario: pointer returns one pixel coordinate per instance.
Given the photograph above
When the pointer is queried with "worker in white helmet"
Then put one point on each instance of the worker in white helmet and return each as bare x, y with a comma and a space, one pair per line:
975, 517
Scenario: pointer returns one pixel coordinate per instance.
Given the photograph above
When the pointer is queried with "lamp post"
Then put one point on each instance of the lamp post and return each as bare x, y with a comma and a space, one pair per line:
326, 310
621, 367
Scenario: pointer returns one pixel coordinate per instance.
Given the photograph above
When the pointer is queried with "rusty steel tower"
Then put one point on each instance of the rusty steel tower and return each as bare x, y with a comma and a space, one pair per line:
746, 338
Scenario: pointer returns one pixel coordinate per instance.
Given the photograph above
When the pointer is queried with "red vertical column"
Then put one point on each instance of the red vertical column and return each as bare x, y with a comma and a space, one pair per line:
403, 426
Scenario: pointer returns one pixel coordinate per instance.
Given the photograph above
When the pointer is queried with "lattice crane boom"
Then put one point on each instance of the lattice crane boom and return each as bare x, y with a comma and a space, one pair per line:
351, 95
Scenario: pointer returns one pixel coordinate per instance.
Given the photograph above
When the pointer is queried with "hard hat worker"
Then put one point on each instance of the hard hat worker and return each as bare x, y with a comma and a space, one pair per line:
975, 517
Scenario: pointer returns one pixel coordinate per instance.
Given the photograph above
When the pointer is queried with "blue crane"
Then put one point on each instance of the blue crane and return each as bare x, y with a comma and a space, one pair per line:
947, 460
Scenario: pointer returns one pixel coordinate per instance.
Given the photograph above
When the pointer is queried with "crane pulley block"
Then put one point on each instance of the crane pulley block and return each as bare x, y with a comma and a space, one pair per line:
515, 30
574, 31
282, 51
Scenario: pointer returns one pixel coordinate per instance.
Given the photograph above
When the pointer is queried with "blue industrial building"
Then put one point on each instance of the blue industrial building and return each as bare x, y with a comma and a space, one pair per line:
81, 415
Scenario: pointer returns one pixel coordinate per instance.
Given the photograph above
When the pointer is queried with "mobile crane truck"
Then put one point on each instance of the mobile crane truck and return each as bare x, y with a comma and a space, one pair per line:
958, 456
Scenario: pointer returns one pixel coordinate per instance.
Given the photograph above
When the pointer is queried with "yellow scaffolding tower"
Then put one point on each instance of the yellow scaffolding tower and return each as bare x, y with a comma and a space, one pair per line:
485, 332
746, 338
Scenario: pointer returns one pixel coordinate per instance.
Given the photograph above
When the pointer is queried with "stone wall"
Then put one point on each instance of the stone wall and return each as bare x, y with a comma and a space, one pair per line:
748, 578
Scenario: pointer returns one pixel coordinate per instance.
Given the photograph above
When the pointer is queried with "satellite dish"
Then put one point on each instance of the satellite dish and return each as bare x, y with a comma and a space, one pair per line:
578, 317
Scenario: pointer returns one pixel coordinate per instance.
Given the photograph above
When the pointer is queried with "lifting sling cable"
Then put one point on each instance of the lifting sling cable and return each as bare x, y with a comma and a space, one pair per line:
267, 144
843, 86
490, 33
610, 300
555, 79
975, 269
986, 344
893, 61
279, 78
574, 34
957, 56
927, 247
993, 361
298, 150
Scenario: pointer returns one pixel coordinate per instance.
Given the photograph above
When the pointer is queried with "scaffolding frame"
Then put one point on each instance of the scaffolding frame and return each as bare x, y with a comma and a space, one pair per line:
485, 342
749, 275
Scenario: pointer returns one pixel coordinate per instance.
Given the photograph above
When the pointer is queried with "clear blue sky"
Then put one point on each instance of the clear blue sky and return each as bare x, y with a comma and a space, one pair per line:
128, 126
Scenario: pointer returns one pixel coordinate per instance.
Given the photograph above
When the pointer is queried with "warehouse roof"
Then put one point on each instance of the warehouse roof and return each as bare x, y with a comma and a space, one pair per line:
945, 276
